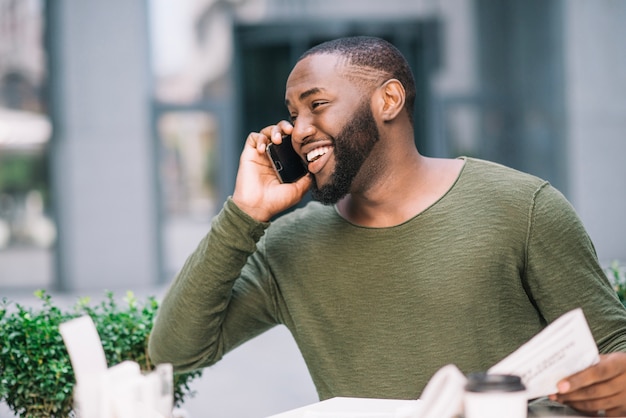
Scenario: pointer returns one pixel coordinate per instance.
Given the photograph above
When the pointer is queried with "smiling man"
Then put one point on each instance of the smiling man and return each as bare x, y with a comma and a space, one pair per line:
407, 263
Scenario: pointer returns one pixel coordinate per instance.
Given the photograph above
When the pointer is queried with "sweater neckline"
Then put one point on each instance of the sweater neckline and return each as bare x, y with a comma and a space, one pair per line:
416, 216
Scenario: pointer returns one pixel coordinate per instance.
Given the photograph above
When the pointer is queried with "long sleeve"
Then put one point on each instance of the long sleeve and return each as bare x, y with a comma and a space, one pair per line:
210, 307
563, 271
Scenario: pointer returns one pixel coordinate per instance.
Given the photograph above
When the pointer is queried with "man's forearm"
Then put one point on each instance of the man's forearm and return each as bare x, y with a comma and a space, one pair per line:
186, 332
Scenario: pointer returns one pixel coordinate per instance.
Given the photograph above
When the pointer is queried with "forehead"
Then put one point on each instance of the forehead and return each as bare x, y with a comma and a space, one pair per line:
320, 72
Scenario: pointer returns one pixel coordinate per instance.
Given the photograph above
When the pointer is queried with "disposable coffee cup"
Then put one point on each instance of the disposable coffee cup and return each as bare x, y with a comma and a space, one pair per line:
494, 396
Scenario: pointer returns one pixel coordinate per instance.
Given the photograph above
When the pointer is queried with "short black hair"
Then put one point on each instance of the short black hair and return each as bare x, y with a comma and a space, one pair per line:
374, 53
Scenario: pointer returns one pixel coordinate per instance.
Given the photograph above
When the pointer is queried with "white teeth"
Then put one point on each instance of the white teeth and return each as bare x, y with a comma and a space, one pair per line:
316, 153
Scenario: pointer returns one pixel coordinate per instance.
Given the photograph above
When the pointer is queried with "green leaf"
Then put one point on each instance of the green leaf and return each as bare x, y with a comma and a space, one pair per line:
36, 376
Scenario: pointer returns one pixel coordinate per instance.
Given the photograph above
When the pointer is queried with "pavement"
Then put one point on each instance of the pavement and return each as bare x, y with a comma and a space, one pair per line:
264, 377
25, 268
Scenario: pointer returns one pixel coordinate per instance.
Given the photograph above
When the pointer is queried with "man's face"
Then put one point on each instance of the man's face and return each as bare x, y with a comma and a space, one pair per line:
352, 147
334, 128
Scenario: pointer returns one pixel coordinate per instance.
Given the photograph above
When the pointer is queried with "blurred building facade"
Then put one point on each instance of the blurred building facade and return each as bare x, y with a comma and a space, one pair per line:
150, 103
27, 228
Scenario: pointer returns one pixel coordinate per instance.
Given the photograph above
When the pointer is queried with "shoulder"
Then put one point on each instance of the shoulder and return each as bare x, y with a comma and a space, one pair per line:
310, 220
486, 178
514, 188
478, 168
500, 177
300, 235
497, 192
312, 212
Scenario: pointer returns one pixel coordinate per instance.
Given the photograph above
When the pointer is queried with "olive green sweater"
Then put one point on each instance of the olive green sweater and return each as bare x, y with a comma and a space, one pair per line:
376, 311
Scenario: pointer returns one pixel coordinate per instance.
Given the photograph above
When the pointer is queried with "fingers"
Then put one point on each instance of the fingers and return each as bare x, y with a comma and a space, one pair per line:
599, 387
275, 132
613, 406
258, 191
611, 366
303, 185
257, 141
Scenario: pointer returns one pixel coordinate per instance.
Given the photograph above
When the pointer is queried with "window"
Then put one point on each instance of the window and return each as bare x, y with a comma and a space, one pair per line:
190, 66
27, 229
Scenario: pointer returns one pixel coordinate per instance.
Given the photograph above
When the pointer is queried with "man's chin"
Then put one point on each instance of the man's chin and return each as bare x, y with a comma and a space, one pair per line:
325, 200
328, 194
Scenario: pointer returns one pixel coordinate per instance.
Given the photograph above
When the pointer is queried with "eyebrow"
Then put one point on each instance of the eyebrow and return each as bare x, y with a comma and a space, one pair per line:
307, 93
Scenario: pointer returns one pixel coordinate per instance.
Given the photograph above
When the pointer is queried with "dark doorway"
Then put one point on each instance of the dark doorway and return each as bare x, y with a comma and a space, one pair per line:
267, 52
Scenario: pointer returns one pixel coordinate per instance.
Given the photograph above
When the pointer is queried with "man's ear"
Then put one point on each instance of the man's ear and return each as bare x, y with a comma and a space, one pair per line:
391, 99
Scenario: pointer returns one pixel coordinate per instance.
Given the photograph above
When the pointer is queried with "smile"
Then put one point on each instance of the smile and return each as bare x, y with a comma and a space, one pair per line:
318, 157
317, 153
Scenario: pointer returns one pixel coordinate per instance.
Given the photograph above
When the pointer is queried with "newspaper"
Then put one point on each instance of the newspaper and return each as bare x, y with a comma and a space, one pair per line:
563, 348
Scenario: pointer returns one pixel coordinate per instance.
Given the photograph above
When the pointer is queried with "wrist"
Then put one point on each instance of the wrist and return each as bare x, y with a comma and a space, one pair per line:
252, 211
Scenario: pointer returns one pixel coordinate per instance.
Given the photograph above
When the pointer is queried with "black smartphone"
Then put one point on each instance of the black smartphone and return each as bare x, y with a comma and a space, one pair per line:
287, 163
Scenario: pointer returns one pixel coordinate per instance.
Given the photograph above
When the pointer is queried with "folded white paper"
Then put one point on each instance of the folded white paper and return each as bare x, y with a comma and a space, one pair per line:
121, 391
88, 362
84, 347
443, 395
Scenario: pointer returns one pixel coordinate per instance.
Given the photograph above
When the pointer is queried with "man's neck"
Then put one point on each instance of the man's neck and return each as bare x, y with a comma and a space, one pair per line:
405, 191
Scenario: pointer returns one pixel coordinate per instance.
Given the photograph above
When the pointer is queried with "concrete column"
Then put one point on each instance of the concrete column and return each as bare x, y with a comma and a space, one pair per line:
596, 102
103, 151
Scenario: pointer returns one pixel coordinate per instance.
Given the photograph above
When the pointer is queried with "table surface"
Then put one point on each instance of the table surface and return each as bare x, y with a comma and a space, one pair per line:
387, 408
348, 408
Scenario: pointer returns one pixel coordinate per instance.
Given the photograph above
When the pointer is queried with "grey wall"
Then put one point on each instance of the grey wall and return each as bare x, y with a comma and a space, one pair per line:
103, 175
596, 101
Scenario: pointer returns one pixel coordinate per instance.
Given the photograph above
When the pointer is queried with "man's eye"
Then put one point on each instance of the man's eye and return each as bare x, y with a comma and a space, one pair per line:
293, 118
315, 105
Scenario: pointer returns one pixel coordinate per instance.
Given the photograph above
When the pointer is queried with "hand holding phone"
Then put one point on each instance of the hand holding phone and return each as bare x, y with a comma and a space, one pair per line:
287, 163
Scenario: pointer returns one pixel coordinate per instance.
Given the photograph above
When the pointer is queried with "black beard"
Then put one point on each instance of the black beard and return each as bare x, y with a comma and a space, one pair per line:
352, 147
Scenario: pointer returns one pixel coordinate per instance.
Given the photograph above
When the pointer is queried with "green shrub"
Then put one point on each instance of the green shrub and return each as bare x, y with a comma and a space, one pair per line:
617, 276
36, 376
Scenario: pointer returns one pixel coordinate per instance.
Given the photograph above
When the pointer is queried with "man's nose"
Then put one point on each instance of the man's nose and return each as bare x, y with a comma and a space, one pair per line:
301, 131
